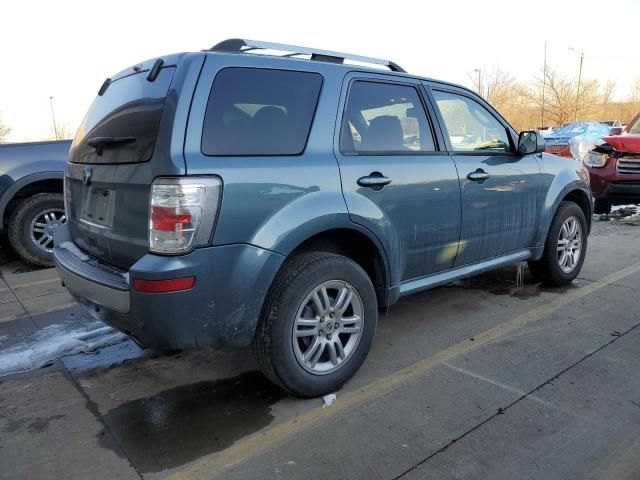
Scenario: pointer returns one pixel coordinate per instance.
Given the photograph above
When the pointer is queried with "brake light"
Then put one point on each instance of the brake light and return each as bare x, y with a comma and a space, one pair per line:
182, 212
163, 286
167, 218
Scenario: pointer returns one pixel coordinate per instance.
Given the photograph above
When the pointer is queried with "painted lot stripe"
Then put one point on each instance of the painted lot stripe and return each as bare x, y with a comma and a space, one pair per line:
37, 282
210, 466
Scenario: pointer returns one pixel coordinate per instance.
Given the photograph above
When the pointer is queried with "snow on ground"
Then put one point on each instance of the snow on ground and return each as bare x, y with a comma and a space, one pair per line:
627, 214
55, 341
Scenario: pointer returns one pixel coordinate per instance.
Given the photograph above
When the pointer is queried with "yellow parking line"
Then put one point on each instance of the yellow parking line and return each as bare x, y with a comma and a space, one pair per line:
621, 465
37, 282
210, 466
12, 317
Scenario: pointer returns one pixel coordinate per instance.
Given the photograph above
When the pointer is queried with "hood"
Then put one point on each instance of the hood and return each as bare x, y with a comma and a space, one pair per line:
624, 143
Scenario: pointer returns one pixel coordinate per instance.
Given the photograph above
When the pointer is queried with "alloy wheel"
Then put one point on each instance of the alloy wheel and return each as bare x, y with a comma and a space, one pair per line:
569, 244
43, 225
328, 327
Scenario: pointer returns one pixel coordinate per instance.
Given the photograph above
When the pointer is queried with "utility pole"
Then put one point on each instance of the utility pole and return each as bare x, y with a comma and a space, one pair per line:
544, 84
479, 72
579, 80
53, 119
575, 119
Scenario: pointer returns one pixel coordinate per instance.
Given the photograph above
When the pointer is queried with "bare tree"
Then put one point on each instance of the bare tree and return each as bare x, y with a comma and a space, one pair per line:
606, 98
500, 87
65, 131
4, 130
61, 131
559, 97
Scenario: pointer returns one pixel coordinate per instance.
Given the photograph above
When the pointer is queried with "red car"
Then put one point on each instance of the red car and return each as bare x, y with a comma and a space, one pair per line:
614, 168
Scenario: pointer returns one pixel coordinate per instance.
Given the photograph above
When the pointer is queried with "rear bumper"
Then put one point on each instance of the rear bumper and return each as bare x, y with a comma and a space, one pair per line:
221, 309
90, 282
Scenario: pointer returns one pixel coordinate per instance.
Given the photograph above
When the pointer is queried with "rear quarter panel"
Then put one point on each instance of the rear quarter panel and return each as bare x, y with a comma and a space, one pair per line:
272, 202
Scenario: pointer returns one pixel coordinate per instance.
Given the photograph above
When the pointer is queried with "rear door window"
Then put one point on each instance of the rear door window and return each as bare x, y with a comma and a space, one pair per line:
122, 124
254, 112
384, 119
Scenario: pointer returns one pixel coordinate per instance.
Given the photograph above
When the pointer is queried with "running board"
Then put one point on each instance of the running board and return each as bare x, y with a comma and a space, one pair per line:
448, 276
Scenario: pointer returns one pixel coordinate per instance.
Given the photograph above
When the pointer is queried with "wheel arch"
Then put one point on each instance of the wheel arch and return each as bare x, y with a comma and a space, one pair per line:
357, 244
580, 198
574, 191
43, 182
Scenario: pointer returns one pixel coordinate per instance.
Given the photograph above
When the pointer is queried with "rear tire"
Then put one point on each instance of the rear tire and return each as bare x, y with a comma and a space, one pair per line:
564, 249
32, 224
602, 206
296, 327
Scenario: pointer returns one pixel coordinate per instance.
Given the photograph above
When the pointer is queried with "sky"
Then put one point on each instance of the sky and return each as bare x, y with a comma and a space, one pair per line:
65, 49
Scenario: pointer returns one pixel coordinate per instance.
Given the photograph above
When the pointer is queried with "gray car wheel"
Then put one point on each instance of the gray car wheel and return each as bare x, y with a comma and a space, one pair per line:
317, 324
31, 227
564, 249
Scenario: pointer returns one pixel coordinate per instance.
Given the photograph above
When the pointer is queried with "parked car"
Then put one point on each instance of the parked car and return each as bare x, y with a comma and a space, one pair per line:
545, 131
614, 168
228, 197
31, 202
559, 141
612, 123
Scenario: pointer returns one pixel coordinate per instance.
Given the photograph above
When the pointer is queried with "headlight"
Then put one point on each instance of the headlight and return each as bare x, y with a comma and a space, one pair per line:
597, 160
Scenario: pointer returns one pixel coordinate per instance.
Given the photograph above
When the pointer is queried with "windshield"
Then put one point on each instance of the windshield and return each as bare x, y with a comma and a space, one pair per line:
634, 128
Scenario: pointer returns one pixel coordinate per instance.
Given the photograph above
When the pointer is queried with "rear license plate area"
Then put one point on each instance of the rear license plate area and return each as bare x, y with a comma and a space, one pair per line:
98, 207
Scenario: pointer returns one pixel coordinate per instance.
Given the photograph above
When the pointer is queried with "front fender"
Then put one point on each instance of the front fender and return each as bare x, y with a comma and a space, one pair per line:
560, 178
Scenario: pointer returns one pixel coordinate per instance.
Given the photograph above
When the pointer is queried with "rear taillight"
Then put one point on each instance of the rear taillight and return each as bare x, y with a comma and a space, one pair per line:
182, 213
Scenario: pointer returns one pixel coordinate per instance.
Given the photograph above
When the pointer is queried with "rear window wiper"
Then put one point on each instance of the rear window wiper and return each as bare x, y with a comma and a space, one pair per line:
99, 143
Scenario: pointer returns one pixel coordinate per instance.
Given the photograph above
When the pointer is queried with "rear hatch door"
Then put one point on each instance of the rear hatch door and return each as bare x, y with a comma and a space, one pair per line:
113, 160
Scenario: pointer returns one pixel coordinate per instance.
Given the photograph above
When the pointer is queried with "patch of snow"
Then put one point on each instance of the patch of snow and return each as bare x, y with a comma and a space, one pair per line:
53, 342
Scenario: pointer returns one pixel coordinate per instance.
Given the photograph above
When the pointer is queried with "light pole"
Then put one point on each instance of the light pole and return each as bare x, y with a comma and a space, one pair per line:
544, 83
575, 119
479, 72
53, 119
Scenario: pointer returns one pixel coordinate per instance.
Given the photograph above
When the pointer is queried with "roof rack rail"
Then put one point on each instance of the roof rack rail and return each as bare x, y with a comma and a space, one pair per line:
241, 45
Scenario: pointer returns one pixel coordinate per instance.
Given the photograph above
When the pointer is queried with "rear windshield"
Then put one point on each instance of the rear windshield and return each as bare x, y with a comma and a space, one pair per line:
255, 111
121, 125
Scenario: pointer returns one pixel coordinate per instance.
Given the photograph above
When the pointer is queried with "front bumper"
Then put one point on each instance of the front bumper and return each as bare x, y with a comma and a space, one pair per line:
222, 308
607, 183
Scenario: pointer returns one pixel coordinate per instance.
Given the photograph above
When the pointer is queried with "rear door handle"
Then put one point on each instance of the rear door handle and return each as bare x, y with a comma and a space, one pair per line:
479, 175
374, 180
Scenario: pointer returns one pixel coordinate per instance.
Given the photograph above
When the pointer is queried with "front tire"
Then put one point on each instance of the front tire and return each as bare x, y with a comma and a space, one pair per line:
31, 227
317, 324
564, 249
602, 206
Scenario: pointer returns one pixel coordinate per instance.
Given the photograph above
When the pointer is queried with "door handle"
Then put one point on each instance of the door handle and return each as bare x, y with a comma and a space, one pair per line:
374, 180
479, 175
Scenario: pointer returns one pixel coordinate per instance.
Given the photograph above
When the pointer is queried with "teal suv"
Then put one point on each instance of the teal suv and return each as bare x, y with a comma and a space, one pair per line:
279, 196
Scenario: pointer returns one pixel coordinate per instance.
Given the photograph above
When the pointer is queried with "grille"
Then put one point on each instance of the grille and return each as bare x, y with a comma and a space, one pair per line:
628, 165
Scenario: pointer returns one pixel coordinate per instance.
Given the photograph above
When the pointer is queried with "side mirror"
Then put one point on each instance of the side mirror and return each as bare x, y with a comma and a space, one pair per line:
530, 142
615, 131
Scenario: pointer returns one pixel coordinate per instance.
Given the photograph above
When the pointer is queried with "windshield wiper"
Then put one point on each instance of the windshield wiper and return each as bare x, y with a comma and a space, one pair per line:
99, 143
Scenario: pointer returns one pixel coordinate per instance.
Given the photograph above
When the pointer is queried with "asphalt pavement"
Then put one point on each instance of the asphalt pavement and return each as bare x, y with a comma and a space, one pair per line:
480, 379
